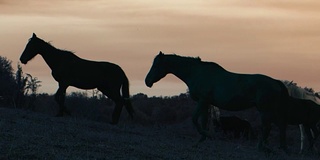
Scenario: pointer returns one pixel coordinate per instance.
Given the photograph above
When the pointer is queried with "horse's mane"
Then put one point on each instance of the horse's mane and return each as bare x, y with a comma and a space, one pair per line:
194, 60
188, 58
49, 44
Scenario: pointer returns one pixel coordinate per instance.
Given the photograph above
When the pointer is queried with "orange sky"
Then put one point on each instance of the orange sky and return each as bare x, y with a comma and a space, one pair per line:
277, 38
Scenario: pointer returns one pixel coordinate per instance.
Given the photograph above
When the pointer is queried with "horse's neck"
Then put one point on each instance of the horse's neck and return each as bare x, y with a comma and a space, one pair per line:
189, 72
50, 56
184, 71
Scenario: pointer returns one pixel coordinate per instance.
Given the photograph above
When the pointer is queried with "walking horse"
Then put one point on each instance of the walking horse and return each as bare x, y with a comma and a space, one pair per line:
71, 70
211, 84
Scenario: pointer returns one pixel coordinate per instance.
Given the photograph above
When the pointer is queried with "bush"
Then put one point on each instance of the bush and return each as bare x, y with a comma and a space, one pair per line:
7, 82
148, 110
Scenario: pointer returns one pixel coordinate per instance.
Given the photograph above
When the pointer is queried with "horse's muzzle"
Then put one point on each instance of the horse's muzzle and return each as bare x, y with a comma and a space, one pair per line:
23, 62
148, 83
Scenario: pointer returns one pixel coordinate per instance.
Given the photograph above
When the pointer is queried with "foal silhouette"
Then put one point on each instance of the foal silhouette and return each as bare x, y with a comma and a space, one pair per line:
70, 70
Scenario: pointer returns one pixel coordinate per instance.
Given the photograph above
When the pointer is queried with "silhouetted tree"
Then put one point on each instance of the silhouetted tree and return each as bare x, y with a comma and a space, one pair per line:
14, 87
32, 85
139, 96
7, 82
21, 82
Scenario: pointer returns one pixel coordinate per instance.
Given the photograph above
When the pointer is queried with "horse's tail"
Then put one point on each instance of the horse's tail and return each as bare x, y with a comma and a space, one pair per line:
125, 88
126, 96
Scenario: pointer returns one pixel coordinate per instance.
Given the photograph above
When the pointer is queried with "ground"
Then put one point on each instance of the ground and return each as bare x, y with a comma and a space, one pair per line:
29, 135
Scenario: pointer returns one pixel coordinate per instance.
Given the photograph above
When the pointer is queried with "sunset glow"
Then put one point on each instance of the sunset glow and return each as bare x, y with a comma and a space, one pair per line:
277, 38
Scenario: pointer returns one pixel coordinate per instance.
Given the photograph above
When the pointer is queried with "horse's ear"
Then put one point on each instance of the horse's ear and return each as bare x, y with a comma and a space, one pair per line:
34, 35
160, 53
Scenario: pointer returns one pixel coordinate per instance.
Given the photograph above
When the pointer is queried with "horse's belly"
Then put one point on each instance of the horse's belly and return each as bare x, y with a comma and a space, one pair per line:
237, 103
84, 85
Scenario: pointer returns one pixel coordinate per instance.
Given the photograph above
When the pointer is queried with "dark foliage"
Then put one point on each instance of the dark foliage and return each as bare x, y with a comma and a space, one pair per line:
7, 82
148, 110
14, 86
162, 110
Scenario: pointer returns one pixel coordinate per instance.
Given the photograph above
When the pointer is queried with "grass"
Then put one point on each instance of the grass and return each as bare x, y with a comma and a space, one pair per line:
161, 129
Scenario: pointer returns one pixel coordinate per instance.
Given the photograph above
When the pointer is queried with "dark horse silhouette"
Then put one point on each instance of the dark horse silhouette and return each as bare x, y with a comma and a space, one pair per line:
210, 84
235, 125
70, 70
305, 112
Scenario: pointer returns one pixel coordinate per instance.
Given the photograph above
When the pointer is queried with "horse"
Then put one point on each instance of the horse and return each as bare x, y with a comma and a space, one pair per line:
235, 125
71, 70
297, 113
211, 84
304, 112
301, 93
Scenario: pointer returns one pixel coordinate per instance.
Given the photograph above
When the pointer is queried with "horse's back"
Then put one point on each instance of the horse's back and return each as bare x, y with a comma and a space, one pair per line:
240, 91
87, 74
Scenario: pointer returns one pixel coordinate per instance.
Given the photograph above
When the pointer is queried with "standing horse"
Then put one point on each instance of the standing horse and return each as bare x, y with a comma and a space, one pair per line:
305, 113
304, 110
70, 70
298, 92
210, 84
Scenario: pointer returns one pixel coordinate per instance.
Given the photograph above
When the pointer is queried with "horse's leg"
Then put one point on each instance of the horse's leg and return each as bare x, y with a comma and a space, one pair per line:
302, 137
118, 100
117, 111
316, 133
312, 137
307, 129
266, 127
204, 121
195, 117
283, 140
60, 99
202, 106
210, 119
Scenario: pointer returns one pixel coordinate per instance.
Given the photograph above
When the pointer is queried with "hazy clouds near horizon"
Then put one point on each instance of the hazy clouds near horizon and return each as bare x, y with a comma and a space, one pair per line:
279, 39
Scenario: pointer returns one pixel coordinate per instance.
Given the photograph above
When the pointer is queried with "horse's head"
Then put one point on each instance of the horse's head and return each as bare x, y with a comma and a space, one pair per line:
157, 71
31, 50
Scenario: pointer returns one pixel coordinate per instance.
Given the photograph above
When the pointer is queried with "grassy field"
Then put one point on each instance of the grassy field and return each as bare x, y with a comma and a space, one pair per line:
30, 135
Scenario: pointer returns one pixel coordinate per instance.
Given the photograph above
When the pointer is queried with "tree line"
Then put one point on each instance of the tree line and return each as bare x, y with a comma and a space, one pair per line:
16, 88
20, 90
